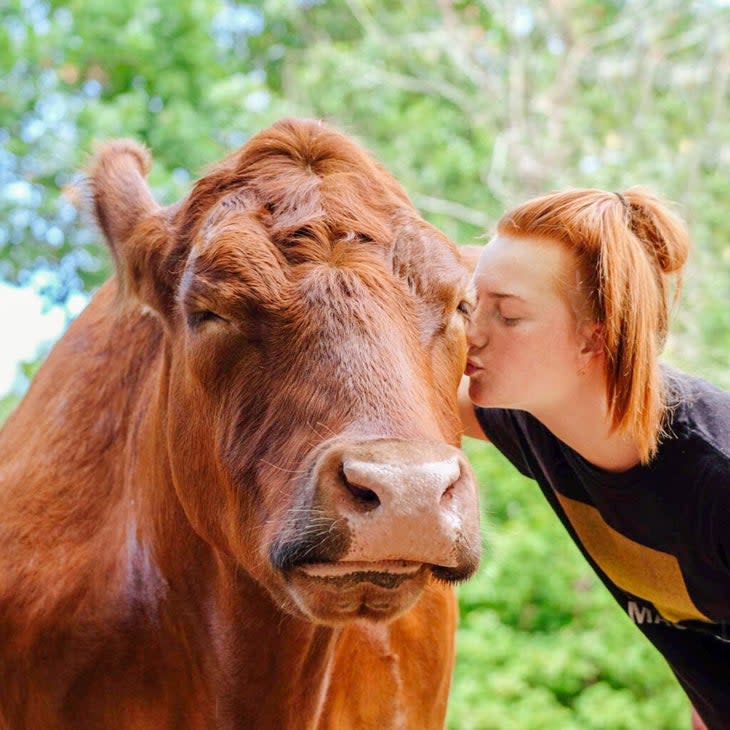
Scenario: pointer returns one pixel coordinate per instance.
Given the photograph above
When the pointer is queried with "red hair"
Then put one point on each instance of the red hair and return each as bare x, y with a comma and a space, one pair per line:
628, 247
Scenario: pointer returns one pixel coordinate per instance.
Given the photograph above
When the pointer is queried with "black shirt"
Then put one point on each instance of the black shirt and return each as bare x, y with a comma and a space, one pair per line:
657, 535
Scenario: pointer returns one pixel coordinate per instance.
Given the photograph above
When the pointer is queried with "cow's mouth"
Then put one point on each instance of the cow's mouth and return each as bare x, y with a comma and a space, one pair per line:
343, 591
384, 573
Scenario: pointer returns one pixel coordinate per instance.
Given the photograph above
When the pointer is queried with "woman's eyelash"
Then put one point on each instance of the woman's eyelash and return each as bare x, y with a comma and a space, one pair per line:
508, 320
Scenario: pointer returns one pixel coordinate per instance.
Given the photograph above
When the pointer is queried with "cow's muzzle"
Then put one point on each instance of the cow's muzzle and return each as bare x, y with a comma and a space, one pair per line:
384, 514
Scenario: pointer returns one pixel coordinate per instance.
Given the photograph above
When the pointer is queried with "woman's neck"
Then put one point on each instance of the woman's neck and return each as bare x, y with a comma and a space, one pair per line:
582, 421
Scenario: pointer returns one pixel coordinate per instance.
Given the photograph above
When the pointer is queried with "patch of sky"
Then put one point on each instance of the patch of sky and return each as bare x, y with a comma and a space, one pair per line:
589, 164
54, 236
38, 227
86, 236
523, 21
34, 325
47, 80
556, 45
91, 88
66, 213
35, 12
181, 176
257, 101
16, 30
32, 129
52, 108
236, 138
21, 192
234, 21
64, 18
155, 105
19, 218
66, 131
81, 259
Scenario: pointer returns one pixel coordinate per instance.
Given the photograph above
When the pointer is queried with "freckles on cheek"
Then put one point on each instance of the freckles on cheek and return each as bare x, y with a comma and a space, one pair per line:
525, 349
548, 351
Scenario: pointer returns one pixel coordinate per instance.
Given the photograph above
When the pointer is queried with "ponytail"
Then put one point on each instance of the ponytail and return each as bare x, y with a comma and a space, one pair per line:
628, 247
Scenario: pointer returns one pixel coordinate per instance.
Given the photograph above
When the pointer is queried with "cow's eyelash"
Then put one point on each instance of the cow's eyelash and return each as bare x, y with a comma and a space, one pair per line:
465, 307
199, 317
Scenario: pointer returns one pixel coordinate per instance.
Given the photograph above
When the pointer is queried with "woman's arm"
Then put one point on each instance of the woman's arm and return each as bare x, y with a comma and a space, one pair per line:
697, 723
469, 421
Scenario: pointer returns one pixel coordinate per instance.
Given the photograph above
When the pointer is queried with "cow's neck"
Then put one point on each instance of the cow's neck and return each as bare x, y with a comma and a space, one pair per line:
276, 667
273, 668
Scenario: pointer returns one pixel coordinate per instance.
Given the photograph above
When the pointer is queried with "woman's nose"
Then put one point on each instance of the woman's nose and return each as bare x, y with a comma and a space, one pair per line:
476, 336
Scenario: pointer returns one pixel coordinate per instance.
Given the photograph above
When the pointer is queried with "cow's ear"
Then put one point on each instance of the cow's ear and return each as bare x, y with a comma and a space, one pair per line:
470, 255
135, 226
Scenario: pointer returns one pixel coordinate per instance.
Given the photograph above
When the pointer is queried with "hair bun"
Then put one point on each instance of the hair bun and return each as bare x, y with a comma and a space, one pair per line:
662, 232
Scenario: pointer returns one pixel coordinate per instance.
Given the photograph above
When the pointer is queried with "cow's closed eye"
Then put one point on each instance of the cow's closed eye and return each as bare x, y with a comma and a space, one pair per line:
465, 307
203, 316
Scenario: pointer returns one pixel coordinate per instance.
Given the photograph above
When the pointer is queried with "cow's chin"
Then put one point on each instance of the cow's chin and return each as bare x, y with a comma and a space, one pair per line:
338, 593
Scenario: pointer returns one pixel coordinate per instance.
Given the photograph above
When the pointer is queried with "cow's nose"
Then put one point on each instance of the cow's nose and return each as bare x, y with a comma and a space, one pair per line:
399, 487
402, 500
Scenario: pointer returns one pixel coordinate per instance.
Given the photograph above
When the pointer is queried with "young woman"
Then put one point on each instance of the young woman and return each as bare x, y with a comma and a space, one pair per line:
571, 312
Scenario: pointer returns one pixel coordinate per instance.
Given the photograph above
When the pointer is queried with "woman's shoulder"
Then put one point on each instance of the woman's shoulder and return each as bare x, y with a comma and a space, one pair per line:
509, 421
699, 410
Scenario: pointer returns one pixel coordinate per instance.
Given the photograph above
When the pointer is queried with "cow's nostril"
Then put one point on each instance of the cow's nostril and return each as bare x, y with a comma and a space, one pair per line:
448, 494
365, 497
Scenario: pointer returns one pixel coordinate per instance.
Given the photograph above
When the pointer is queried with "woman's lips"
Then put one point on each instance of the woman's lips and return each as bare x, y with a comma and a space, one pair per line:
471, 368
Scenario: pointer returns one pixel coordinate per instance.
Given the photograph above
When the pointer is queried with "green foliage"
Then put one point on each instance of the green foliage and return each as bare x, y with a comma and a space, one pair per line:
474, 106
7, 403
541, 643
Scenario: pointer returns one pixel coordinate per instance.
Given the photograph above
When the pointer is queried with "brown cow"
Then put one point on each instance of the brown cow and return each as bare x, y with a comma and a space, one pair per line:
232, 497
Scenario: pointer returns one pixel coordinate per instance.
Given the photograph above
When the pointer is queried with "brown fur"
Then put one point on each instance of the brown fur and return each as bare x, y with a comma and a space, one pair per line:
158, 453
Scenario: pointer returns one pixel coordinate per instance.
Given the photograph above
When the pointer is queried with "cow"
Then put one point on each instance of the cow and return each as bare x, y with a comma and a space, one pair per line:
233, 495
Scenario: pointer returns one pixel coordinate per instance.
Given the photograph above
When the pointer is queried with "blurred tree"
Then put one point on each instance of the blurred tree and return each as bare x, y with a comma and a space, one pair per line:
473, 105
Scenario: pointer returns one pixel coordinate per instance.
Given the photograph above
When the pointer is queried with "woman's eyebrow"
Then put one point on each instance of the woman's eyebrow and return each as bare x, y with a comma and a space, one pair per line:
503, 295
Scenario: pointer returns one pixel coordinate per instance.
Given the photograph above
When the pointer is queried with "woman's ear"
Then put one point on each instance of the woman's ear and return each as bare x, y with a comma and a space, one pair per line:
592, 340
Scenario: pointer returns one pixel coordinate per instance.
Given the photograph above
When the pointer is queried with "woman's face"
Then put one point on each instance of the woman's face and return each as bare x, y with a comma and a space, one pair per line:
525, 347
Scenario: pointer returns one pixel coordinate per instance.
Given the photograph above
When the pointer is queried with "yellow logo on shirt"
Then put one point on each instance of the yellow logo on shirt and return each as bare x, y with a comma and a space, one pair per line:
640, 570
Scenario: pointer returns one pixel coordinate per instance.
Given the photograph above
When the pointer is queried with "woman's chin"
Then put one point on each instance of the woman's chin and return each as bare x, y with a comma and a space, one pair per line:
479, 395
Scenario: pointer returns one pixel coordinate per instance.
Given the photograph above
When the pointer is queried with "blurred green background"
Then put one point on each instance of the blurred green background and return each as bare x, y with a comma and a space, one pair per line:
474, 106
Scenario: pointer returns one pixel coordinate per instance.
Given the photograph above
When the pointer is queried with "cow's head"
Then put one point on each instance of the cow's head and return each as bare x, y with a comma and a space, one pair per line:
314, 330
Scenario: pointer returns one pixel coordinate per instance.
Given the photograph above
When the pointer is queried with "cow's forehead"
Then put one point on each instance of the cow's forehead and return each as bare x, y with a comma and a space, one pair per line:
415, 248
289, 211
238, 241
